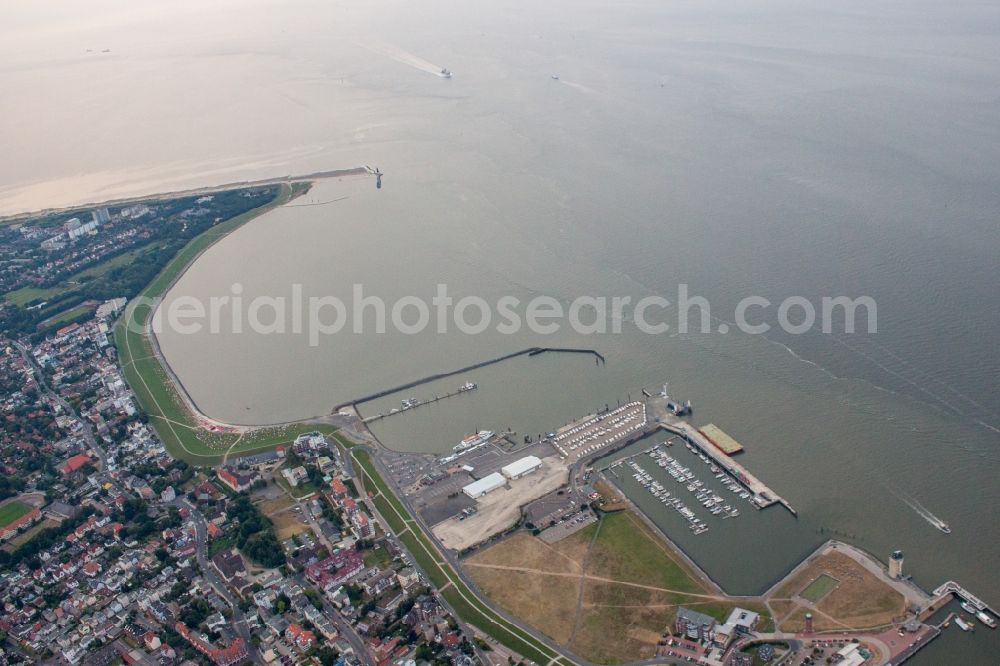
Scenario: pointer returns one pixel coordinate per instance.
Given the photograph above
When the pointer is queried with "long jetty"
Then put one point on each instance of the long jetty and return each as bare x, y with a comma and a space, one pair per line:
530, 351
421, 403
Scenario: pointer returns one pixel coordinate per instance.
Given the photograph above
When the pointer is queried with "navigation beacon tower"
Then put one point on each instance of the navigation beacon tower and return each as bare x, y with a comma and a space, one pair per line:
896, 565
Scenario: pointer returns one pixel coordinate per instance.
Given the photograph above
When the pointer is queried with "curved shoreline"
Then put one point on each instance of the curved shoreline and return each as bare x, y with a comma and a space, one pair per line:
186, 414
189, 403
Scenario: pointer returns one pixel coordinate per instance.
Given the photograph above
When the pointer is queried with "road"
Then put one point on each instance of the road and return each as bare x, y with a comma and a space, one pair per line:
347, 632
88, 431
239, 620
201, 527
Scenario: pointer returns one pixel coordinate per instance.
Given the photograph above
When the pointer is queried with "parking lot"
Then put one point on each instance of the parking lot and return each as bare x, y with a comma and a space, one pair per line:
593, 433
439, 496
567, 527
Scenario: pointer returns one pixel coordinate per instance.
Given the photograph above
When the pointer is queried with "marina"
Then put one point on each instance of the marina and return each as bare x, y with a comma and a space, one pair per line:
761, 496
709, 498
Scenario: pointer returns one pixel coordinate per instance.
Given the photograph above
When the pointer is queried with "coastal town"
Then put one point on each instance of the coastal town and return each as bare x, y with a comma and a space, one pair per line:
114, 552
317, 544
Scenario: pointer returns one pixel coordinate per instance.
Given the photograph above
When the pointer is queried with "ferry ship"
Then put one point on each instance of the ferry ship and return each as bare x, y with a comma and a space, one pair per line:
940, 524
480, 437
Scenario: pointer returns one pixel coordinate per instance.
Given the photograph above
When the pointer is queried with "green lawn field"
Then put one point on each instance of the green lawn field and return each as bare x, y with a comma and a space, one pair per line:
12, 511
819, 588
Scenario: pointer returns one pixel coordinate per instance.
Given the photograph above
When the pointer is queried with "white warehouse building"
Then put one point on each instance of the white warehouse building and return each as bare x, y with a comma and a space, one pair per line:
477, 489
521, 467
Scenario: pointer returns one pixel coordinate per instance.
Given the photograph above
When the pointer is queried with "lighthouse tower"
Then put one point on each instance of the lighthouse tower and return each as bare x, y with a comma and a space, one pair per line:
896, 565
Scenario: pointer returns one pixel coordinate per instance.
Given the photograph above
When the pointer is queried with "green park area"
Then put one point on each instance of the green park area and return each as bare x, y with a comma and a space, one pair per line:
610, 592
26, 295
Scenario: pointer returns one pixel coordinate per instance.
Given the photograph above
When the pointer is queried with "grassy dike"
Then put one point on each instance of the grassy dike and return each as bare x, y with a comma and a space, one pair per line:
154, 388
464, 602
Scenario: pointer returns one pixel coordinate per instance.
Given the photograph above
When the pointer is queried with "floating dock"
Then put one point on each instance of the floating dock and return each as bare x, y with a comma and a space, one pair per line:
420, 403
952, 589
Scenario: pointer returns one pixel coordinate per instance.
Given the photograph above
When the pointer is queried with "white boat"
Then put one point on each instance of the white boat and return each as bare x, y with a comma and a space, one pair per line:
985, 618
480, 437
962, 624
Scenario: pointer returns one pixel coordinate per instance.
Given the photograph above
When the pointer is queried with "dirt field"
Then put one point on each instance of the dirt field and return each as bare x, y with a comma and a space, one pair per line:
859, 601
613, 500
522, 550
501, 508
608, 635
608, 592
272, 506
287, 521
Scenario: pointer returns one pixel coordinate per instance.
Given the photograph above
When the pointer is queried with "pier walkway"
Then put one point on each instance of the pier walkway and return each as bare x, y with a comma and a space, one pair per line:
420, 403
946, 591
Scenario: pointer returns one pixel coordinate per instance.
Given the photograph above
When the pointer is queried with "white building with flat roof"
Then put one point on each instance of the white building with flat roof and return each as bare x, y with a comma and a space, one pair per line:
477, 489
519, 468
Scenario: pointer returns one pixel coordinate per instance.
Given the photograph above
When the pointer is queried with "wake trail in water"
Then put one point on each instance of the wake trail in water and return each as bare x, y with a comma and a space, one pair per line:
403, 57
578, 86
931, 377
974, 418
919, 509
